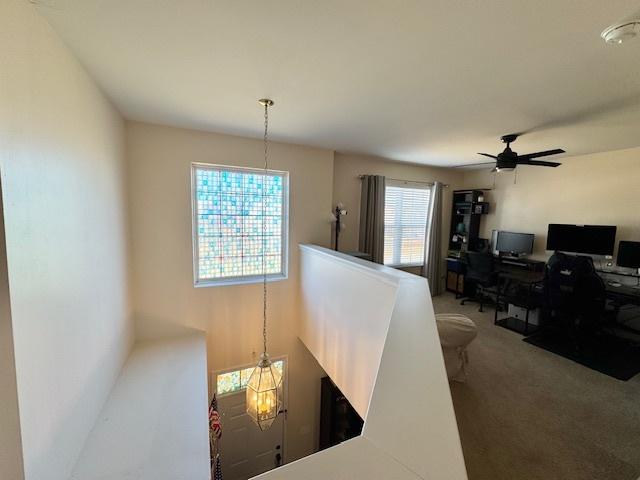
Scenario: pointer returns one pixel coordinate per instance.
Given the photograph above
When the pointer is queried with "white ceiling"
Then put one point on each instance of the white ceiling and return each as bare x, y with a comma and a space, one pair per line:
422, 81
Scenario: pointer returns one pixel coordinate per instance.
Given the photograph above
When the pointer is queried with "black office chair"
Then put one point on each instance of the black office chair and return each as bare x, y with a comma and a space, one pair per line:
482, 274
575, 297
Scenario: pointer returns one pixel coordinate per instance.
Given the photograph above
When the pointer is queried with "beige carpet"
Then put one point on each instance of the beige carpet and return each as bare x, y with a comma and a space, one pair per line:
525, 413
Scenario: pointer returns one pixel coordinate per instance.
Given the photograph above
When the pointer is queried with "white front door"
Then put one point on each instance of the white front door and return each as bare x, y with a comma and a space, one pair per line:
245, 451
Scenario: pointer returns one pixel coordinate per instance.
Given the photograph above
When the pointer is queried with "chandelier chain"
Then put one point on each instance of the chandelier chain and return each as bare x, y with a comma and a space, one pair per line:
264, 229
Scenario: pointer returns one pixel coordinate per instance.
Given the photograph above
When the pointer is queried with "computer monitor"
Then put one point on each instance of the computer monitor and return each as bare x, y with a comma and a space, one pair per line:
628, 254
514, 243
588, 239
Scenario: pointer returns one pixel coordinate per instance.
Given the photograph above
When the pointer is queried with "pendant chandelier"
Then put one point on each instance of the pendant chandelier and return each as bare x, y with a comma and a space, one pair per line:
264, 389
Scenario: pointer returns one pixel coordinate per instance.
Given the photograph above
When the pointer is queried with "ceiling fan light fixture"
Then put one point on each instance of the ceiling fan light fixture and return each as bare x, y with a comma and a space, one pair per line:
621, 32
508, 160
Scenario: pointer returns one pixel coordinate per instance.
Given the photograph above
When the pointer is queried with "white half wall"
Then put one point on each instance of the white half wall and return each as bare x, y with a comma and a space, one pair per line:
373, 330
62, 165
155, 424
343, 332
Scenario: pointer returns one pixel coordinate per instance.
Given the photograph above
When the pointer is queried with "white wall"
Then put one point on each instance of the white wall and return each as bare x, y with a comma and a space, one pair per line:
597, 189
10, 441
61, 160
160, 191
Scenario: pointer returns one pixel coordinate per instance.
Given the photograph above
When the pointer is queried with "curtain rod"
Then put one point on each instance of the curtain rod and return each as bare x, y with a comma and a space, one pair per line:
407, 181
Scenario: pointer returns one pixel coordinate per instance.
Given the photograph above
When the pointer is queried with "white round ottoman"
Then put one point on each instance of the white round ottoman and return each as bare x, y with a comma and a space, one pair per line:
456, 332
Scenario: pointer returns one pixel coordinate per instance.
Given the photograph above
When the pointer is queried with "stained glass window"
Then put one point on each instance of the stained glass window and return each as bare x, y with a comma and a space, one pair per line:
239, 218
236, 380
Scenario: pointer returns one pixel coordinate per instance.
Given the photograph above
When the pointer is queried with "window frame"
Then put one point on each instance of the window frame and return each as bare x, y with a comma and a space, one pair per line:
243, 279
415, 186
239, 368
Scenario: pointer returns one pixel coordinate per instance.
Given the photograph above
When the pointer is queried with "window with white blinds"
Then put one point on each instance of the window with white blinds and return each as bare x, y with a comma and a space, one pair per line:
405, 221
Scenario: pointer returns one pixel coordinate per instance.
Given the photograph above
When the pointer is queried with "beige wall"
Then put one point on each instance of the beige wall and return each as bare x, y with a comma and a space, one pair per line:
159, 178
61, 162
597, 189
346, 189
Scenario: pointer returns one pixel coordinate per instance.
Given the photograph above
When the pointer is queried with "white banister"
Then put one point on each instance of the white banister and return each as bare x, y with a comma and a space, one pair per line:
373, 330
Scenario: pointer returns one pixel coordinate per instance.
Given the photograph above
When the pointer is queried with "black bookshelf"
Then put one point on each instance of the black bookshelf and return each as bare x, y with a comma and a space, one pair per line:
466, 212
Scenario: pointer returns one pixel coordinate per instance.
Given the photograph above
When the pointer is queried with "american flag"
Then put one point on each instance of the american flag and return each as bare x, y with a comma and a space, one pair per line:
215, 428
217, 469
215, 432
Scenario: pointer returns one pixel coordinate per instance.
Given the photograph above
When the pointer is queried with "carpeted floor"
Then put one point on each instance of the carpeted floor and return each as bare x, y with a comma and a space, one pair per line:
527, 414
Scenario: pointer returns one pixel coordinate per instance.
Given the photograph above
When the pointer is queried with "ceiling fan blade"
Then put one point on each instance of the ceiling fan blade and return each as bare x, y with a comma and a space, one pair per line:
474, 164
539, 163
546, 153
487, 155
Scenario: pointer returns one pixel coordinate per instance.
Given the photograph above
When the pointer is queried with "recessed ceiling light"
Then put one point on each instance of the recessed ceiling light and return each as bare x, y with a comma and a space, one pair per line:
621, 32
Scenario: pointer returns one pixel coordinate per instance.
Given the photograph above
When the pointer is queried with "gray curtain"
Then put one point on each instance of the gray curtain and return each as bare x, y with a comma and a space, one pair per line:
432, 245
371, 239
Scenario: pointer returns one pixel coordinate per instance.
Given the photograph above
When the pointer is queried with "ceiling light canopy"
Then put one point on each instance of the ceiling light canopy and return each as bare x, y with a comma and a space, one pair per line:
621, 32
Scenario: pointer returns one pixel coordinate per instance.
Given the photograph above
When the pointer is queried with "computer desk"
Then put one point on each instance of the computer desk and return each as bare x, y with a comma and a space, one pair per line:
524, 296
624, 294
531, 276
533, 281
457, 270
620, 296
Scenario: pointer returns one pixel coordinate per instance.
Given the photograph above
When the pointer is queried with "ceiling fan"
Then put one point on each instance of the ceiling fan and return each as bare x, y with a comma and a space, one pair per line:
509, 160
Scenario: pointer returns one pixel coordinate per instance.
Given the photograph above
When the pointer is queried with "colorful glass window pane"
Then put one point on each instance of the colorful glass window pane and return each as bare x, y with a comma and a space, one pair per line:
239, 217
237, 380
228, 382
